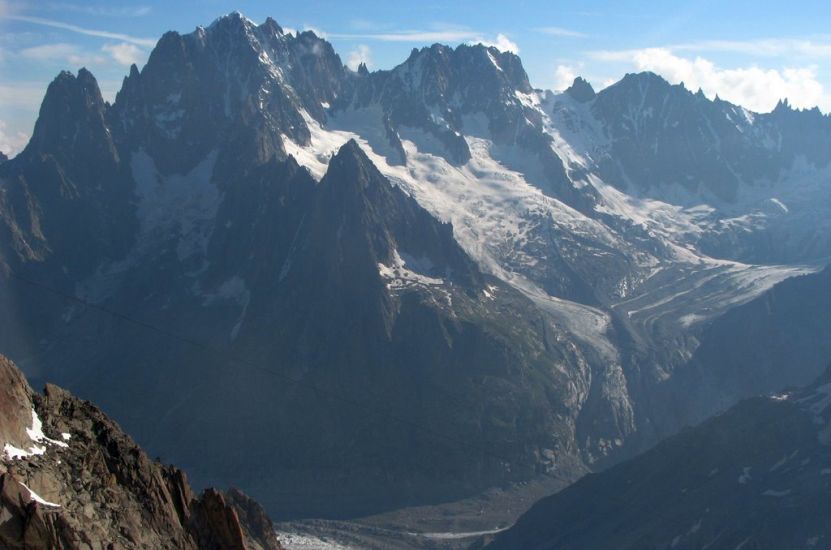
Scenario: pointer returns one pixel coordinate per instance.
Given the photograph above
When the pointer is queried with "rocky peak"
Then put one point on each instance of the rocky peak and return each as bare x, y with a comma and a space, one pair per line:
233, 21
71, 124
3, 157
315, 71
637, 89
231, 86
783, 105
351, 164
272, 27
439, 70
354, 193
581, 90
392, 221
437, 86
642, 79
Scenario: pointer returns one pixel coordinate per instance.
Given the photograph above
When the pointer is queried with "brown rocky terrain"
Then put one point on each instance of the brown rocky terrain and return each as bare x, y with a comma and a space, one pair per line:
71, 478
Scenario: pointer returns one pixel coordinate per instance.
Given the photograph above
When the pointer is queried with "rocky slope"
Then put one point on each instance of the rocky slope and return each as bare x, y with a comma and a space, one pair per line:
91, 486
758, 476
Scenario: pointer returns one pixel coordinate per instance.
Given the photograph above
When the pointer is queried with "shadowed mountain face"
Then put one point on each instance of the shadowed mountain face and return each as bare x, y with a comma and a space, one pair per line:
757, 476
90, 485
358, 290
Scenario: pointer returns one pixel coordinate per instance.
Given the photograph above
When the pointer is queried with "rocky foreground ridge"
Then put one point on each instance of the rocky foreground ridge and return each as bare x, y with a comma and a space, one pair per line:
87, 485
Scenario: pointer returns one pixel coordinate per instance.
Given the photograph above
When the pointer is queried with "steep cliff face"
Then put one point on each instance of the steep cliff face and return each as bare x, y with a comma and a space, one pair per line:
89, 485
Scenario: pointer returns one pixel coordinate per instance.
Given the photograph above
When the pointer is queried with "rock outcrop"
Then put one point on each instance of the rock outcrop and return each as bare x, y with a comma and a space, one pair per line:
91, 486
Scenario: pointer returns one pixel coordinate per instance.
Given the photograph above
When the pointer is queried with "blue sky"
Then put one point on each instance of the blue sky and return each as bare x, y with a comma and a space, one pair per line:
751, 53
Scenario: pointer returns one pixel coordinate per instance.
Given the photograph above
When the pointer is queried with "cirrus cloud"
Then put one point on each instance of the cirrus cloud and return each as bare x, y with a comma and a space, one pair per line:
560, 32
62, 52
80, 30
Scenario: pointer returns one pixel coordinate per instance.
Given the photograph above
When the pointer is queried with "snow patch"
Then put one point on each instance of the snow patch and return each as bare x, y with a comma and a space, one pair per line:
407, 271
39, 439
14, 453
37, 498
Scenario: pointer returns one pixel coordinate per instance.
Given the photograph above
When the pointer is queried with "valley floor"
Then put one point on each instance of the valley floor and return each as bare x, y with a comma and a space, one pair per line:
448, 526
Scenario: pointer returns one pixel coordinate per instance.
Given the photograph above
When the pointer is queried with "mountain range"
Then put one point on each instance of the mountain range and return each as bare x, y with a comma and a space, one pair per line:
359, 290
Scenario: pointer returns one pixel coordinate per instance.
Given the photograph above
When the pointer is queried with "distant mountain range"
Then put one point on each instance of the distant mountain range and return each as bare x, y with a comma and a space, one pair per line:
345, 291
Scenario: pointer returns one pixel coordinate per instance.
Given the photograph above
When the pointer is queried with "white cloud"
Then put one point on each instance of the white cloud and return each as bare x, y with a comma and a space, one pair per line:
564, 76
753, 87
122, 53
81, 30
11, 142
502, 43
361, 54
125, 54
561, 32
49, 52
63, 53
